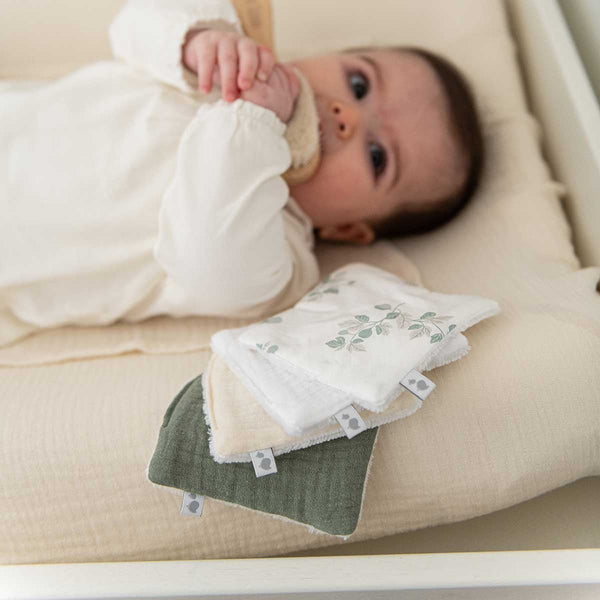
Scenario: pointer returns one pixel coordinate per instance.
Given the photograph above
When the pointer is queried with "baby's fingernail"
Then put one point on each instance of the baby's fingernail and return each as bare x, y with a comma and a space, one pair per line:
262, 76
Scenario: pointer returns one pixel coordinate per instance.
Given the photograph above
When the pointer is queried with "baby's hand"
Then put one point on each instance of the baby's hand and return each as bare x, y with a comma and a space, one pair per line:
235, 58
278, 93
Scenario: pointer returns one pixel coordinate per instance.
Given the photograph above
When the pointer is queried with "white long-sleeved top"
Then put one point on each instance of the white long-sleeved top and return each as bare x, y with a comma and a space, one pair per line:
125, 193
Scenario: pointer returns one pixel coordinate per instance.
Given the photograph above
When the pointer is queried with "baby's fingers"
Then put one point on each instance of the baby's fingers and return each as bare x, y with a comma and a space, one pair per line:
228, 67
266, 63
206, 67
248, 55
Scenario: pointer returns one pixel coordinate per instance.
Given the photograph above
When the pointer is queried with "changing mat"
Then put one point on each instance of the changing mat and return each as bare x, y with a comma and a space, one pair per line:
351, 340
321, 487
518, 417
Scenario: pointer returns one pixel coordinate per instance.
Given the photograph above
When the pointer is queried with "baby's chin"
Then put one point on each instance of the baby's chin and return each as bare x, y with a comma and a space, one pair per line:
307, 199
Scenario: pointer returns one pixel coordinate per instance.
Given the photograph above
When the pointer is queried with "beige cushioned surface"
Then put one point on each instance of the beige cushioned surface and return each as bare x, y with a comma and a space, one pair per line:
517, 417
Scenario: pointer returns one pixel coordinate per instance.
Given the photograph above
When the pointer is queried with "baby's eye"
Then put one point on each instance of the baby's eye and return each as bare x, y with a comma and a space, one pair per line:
378, 158
359, 81
358, 77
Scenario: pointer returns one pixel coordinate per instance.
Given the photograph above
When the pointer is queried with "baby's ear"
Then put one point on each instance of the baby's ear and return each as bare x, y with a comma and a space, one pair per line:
359, 233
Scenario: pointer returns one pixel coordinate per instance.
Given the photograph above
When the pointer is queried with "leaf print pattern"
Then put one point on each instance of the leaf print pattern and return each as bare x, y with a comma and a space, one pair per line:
362, 326
329, 285
268, 347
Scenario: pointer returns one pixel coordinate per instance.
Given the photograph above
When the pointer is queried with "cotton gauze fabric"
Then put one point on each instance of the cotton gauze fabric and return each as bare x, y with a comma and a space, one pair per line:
321, 487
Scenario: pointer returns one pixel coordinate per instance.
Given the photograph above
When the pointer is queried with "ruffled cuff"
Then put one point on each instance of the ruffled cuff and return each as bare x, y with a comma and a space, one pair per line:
248, 111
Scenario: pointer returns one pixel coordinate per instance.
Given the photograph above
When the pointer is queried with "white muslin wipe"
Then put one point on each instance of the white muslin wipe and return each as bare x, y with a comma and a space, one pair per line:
350, 340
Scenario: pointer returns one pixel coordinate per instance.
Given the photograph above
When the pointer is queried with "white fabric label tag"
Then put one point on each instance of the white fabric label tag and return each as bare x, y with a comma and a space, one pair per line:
418, 384
192, 504
350, 420
263, 462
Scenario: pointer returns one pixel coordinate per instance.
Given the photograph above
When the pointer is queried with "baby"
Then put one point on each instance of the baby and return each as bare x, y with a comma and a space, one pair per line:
400, 132
136, 187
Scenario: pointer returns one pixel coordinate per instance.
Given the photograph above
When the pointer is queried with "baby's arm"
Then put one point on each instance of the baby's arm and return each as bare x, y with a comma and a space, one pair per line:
235, 58
149, 34
221, 232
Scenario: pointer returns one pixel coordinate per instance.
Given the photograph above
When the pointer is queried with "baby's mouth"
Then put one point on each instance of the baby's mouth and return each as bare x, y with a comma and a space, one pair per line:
319, 115
321, 137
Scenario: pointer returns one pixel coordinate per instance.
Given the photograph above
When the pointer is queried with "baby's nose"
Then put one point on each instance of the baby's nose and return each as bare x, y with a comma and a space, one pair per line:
345, 117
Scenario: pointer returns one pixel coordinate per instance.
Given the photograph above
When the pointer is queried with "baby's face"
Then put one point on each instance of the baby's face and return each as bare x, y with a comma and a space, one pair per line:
384, 142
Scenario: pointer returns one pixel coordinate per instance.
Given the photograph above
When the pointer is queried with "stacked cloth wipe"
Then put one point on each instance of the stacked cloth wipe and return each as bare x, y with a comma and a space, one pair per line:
351, 340
321, 487
279, 384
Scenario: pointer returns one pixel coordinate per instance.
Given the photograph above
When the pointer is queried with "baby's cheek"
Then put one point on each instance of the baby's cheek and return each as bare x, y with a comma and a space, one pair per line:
347, 179
336, 181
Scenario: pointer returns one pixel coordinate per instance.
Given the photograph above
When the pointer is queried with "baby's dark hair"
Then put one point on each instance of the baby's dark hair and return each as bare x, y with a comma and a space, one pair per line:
466, 128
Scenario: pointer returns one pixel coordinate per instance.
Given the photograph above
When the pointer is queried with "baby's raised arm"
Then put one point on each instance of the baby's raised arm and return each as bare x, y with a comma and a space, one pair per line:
222, 239
235, 61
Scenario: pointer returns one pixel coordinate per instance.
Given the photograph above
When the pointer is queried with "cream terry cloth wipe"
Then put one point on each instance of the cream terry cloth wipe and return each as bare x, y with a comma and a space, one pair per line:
357, 334
238, 424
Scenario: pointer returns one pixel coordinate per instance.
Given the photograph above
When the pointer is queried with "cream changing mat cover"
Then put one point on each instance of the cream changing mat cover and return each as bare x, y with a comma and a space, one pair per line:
517, 419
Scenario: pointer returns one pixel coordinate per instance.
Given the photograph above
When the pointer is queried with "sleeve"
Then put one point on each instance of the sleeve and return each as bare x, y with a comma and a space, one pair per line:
149, 35
221, 236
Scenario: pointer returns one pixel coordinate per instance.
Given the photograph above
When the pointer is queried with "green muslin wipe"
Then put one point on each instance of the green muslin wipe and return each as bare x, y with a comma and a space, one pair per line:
320, 486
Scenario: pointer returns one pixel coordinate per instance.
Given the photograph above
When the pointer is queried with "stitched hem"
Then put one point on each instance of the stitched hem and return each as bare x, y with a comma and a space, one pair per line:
374, 421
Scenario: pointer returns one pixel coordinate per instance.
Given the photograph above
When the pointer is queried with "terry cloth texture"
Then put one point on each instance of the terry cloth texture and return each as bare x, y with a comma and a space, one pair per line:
321, 486
351, 339
302, 135
239, 424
